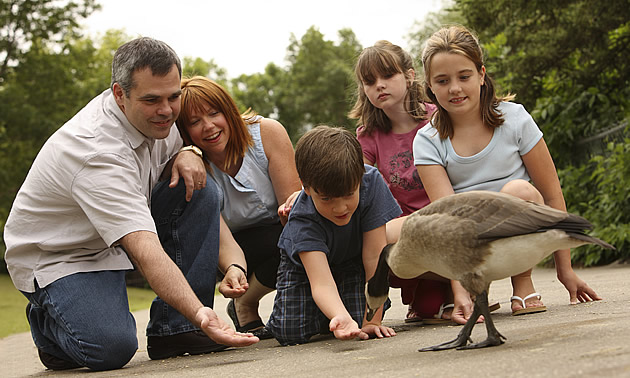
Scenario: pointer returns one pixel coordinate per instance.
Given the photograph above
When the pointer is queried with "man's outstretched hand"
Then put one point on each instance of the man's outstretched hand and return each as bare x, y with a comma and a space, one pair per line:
220, 331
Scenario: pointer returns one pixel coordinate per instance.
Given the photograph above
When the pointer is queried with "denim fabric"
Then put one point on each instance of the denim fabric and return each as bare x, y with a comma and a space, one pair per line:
189, 233
85, 318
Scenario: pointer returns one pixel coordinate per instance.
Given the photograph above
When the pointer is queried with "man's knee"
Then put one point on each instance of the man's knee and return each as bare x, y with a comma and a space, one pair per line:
208, 196
115, 350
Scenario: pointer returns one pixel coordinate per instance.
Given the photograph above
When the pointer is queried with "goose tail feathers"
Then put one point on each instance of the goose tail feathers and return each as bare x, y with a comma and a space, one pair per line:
590, 239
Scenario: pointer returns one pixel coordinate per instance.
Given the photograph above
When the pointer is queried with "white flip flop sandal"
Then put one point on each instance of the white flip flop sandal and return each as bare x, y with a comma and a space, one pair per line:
525, 309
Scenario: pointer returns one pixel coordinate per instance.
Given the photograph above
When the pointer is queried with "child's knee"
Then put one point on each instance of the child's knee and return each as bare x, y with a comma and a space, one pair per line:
523, 190
288, 335
286, 338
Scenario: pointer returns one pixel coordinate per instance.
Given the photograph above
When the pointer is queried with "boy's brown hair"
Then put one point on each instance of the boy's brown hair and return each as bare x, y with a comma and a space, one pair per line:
329, 160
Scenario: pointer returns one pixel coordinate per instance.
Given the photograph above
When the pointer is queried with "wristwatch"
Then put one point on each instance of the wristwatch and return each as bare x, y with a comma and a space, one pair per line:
194, 149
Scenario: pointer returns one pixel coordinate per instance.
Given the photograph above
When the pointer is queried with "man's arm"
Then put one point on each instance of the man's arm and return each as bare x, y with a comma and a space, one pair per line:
168, 282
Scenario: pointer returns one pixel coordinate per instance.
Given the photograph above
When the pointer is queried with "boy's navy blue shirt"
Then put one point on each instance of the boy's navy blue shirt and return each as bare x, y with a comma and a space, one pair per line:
307, 230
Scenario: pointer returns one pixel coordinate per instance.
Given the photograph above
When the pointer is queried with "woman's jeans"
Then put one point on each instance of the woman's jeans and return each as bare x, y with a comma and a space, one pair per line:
85, 318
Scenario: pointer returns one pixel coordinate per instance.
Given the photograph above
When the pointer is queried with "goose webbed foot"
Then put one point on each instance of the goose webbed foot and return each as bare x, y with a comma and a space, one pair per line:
459, 342
492, 340
462, 338
494, 337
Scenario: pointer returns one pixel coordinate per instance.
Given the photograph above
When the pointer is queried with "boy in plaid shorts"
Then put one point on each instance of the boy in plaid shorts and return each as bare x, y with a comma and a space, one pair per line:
331, 243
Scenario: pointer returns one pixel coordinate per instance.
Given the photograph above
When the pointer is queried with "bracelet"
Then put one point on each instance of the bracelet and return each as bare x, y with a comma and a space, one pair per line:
237, 266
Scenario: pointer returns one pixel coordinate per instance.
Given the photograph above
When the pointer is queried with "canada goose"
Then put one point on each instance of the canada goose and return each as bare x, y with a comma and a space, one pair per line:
475, 237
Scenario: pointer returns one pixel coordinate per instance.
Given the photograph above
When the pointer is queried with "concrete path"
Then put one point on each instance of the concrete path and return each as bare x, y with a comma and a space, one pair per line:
591, 339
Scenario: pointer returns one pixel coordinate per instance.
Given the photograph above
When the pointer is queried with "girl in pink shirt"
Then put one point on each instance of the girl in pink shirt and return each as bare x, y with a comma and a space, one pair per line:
390, 109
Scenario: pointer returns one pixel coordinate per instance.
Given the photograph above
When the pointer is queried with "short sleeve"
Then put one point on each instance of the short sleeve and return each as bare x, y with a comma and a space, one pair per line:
428, 148
312, 237
530, 133
368, 144
378, 205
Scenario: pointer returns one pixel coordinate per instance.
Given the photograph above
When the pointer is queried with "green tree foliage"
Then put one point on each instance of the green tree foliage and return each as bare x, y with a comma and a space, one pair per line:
599, 192
566, 60
46, 21
259, 91
424, 28
40, 94
314, 89
320, 78
199, 67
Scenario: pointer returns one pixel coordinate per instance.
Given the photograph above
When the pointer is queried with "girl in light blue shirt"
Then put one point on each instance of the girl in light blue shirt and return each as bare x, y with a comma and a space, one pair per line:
477, 140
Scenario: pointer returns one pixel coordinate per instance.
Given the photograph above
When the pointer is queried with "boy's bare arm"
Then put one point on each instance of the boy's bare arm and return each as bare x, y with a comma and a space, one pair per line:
326, 296
323, 286
373, 243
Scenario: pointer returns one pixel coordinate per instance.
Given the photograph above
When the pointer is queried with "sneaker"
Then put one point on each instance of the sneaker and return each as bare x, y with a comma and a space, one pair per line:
195, 342
51, 362
54, 362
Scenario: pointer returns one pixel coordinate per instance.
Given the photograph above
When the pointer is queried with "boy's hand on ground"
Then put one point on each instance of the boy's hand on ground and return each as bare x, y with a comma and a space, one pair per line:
344, 328
220, 331
377, 330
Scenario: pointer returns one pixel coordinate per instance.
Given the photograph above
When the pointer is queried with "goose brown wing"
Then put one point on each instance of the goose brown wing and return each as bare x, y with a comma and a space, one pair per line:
499, 215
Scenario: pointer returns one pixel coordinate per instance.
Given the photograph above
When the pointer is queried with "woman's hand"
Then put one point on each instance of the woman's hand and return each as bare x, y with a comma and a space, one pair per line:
285, 208
234, 284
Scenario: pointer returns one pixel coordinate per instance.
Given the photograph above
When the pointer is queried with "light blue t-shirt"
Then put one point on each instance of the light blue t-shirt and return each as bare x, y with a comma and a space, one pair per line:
494, 166
248, 199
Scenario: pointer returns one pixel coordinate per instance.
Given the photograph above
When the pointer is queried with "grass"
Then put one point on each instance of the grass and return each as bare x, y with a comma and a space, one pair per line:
13, 306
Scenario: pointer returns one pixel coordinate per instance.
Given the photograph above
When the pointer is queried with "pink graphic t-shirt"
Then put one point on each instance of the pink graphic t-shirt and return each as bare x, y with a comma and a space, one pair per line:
392, 154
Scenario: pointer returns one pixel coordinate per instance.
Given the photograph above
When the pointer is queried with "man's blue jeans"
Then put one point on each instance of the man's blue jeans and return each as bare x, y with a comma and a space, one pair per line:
189, 233
85, 317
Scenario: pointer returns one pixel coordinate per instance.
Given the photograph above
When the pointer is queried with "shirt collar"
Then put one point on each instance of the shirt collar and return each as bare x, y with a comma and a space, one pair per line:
136, 138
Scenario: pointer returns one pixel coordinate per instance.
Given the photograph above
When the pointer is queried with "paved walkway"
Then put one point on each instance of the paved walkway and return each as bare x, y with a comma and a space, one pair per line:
591, 339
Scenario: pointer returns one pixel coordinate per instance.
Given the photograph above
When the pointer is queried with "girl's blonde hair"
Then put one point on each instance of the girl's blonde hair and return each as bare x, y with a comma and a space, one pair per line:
199, 93
459, 40
385, 59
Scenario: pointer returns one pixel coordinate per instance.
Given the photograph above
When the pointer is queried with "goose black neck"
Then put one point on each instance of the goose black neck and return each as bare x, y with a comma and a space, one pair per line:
378, 285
